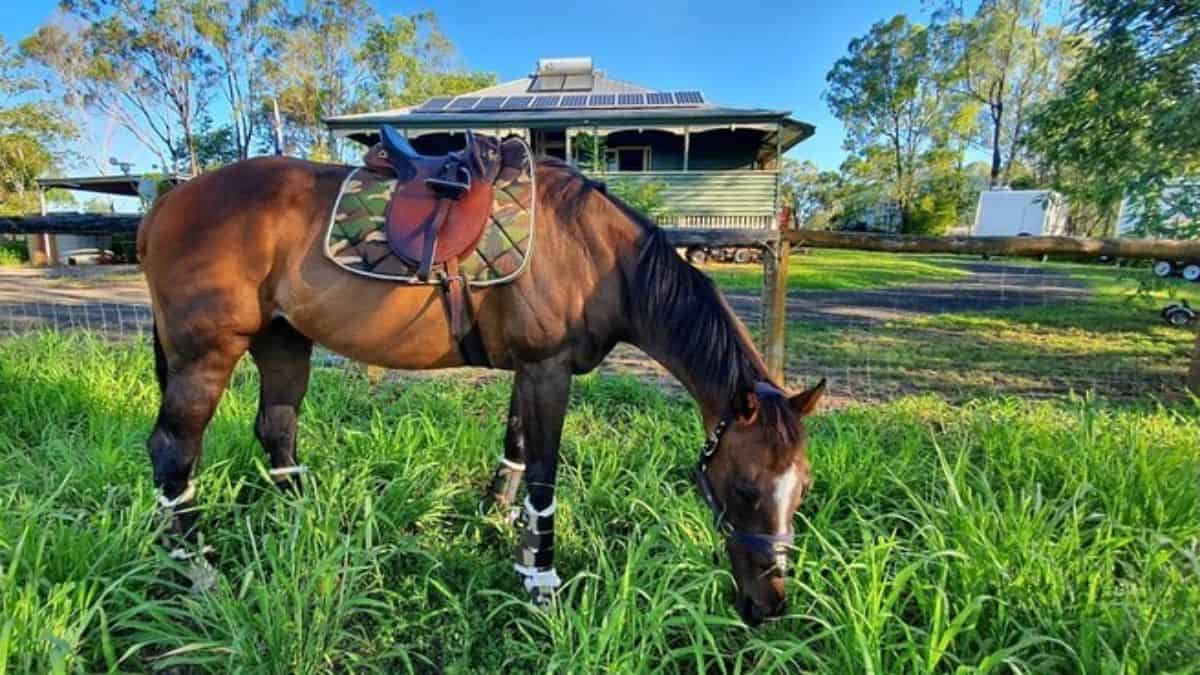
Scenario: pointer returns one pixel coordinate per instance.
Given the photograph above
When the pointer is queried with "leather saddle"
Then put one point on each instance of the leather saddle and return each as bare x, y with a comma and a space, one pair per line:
440, 209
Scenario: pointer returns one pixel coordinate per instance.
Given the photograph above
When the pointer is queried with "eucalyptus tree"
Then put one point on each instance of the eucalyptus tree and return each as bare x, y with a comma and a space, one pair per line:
890, 92
143, 65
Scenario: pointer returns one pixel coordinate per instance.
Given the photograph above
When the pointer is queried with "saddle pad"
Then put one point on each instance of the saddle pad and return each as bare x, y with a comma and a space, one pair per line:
356, 238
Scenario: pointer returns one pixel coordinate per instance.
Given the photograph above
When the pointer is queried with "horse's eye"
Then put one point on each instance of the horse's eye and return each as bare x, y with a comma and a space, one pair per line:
747, 493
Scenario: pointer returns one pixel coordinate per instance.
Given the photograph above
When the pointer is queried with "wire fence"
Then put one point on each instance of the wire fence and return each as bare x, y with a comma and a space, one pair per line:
1000, 328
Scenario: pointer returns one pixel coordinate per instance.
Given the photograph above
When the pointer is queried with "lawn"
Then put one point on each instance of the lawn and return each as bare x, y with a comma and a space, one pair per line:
1114, 342
1002, 534
835, 270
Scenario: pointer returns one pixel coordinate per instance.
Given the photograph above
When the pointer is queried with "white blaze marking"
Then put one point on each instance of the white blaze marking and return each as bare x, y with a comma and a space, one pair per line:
784, 486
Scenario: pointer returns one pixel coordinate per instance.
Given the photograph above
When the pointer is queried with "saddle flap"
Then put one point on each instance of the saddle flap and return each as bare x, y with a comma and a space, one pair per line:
414, 205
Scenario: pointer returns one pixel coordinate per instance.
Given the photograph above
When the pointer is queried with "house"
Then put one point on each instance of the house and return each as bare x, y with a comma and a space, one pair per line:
57, 249
718, 165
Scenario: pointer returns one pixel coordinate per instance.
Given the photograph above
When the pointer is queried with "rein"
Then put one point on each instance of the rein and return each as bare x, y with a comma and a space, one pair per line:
775, 545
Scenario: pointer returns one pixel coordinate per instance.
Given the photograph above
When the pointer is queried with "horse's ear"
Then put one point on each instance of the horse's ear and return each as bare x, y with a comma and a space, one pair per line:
806, 401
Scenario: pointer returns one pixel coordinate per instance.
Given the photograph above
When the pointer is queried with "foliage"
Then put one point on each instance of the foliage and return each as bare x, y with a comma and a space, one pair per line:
587, 151
1051, 536
644, 196
1005, 59
239, 33
341, 57
889, 93
13, 252
814, 195
32, 134
158, 67
142, 65
1125, 122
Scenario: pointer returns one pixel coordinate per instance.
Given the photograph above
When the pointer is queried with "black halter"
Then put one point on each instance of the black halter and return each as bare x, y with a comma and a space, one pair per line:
775, 545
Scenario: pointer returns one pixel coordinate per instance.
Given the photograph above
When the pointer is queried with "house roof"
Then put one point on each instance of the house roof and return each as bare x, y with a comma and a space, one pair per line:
125, 185
489, 108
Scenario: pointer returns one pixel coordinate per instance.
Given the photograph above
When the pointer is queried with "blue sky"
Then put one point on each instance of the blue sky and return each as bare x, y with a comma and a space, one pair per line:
745, 53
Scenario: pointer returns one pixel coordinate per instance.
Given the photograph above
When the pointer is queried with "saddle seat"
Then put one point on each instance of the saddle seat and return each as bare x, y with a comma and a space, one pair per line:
439, 211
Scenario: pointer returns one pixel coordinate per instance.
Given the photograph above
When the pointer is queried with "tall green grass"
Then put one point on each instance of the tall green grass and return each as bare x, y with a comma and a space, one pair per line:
999, 535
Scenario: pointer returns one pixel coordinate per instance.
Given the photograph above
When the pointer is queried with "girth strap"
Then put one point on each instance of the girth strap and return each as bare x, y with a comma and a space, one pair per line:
463, 327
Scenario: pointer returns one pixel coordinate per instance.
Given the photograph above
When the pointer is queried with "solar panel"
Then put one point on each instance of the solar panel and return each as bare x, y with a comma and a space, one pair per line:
596, 100
578, 82
434, 104
463, 103
517, 103
490, 103
660, 98
574, 101
547, 83
631, 99
544, 102
689, 97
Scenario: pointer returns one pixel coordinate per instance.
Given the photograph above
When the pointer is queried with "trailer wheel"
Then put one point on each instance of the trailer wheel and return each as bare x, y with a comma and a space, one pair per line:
1163, 268
1191, 271
743, 256
696, 255
1180, 316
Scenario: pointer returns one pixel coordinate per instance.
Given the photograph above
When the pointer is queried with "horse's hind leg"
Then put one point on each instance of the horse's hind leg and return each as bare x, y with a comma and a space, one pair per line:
283, 357
506, 481
192, 386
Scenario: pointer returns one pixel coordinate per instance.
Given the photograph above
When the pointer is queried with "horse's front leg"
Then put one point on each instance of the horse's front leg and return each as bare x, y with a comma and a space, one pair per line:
506, 481
541, 391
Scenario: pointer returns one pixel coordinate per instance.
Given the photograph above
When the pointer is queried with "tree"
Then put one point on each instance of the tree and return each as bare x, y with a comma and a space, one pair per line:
814, 195
339, 56
889, 92
143, 66
32, 134
1005, 60
239, 34
1125, 121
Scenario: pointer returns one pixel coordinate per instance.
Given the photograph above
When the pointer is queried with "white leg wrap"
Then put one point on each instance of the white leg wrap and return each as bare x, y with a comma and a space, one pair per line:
283, 471
188, 493
539, 581
531, 512
515, 466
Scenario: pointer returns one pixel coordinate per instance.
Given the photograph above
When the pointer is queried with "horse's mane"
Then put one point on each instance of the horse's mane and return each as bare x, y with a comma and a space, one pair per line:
680, 304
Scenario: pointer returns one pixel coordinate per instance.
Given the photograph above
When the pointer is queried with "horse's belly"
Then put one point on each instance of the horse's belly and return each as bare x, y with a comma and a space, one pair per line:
377, 322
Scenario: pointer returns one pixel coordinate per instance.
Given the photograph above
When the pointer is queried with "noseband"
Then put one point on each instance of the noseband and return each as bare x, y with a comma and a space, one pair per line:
775, 545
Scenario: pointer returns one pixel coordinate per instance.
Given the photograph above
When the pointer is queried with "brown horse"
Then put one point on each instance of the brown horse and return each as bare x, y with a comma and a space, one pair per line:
234, 262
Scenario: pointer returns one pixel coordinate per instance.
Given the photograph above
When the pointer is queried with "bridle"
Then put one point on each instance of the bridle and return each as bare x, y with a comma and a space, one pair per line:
775, 545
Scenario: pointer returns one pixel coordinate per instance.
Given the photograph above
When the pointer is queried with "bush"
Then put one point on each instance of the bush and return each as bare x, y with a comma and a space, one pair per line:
646, 197
13, 253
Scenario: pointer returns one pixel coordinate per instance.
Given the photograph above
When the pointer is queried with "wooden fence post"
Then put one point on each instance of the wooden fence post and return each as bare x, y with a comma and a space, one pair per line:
1193, 379
774, 306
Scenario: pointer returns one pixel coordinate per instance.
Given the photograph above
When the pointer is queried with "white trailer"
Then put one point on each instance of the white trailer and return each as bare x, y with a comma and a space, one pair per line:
1020, 213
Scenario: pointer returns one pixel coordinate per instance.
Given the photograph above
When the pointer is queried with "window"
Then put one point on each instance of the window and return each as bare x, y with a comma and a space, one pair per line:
627, 159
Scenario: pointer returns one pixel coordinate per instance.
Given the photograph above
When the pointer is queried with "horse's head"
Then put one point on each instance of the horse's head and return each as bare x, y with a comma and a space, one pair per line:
754, 473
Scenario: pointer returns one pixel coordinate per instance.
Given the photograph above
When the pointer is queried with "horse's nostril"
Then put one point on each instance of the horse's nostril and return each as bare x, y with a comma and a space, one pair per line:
779, 608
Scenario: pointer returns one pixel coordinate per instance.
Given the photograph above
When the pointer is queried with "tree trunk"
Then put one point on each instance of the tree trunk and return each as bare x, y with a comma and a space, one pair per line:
997, 117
